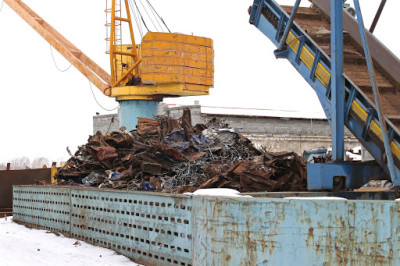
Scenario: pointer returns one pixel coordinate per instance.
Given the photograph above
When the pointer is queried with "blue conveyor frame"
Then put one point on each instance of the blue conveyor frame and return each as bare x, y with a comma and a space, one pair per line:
360, 114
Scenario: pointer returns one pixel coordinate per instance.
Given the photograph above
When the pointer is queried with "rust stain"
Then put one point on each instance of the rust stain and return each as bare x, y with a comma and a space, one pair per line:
311, 232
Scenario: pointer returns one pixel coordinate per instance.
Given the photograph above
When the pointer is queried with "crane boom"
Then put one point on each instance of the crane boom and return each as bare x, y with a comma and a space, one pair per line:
163, 64
98, 76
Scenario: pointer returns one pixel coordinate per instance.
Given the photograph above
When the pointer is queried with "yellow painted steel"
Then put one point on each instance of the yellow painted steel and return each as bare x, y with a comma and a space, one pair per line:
118, 72
206, 53
172, 64
176, 61
308, 59
53, 172
177, 38
374, 127
207, 56
188, 71
158, 78
150, 91
177, 58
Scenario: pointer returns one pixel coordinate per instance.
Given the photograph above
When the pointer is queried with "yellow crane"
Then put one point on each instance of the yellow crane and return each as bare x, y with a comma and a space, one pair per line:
164, 64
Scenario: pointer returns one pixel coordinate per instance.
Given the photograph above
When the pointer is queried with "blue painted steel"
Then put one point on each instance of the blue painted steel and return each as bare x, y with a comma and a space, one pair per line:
46, 207
266, 229
301, 44
150, 228
130, 110
288, 26
321, 175
315, 64
257, 231
375, 89
371, 115
337, 101
266, 15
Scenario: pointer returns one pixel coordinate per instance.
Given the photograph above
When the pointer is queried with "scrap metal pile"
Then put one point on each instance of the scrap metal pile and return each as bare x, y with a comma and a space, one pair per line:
167, 155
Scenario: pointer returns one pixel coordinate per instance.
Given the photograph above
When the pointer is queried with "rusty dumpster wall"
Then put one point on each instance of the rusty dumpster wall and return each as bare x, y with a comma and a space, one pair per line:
150, 228
263, 231
167, 229
9, 178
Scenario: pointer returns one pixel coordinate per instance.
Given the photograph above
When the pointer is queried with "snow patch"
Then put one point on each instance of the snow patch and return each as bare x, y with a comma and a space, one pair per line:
315, 198
220, 192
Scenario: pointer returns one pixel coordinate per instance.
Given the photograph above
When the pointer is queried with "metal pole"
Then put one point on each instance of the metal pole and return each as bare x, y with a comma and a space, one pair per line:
377, 16
337, 80
288, 26
375, 89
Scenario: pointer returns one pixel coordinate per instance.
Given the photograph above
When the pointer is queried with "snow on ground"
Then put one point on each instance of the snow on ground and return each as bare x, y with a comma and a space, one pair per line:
20, 245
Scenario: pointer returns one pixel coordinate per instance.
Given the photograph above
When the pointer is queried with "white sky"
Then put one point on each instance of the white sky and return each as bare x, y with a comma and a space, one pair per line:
43, 110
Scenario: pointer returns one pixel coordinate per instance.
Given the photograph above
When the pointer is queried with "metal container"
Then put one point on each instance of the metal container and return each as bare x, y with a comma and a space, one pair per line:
265, 229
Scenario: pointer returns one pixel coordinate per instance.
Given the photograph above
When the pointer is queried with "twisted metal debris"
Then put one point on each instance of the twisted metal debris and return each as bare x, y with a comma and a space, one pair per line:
167, 155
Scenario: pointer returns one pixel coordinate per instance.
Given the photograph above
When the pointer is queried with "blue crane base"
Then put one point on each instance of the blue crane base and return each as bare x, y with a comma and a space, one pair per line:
342, 175
130, 110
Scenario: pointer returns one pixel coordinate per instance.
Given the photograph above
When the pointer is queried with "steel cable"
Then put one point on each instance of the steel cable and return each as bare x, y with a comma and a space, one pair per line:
162, 20
139, 25
55, 63
137, 8
148, 15
94, 96
154, 15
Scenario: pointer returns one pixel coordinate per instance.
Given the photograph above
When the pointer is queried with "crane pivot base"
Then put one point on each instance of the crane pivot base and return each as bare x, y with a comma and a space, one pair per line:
130, 110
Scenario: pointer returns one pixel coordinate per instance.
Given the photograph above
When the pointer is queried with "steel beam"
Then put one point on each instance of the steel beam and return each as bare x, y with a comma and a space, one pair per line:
337, 80
375, 89
377, 16
288, 26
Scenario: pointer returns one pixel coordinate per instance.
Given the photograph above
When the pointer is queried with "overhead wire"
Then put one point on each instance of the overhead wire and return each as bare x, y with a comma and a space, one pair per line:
138, 24
94, 96
148, 15
154, 15
137, 8
55, 63
162, 20
90, 84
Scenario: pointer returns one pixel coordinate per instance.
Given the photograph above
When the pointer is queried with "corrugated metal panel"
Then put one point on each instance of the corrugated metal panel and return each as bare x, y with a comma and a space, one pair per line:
258, 231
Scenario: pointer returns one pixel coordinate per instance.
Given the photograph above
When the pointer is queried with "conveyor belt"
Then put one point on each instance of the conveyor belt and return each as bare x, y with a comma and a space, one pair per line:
308, 49
354, 65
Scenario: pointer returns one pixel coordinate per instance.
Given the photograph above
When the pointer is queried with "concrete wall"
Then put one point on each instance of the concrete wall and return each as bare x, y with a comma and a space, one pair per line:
105, 123
274, 133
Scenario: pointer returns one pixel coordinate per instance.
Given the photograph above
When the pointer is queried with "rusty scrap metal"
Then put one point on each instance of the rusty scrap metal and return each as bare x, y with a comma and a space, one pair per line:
169, 155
